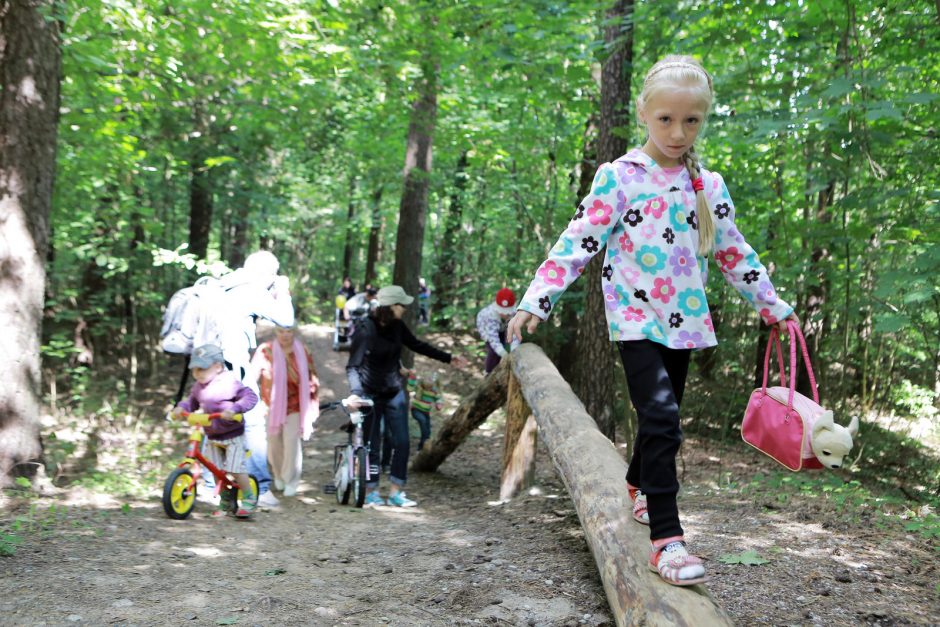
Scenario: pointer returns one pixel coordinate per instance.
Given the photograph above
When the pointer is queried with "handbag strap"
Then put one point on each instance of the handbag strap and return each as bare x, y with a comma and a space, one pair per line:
774, 340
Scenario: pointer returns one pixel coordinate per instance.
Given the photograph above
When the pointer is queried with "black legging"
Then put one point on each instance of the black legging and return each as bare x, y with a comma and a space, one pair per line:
656, 378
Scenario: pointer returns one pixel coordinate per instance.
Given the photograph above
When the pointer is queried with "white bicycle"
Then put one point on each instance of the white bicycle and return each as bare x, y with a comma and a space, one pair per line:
351, 470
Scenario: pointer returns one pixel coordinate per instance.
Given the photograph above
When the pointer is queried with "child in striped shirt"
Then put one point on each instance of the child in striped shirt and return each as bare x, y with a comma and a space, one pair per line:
427, 394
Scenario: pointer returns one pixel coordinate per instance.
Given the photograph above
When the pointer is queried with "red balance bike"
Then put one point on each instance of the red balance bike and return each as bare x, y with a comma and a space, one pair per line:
179, 491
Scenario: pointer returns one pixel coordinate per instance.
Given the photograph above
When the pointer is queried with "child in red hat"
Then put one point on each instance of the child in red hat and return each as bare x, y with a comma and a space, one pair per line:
491, 323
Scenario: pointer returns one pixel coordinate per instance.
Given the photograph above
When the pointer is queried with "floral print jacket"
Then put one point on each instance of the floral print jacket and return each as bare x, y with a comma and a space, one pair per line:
653, 281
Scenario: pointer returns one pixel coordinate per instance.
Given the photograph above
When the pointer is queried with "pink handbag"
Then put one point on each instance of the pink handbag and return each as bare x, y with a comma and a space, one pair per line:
778, 420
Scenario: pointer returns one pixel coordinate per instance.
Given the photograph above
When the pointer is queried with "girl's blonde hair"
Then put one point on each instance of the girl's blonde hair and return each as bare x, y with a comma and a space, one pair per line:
684, 72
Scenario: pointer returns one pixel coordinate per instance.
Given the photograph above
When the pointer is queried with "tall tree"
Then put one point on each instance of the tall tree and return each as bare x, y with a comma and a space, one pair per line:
413, 209
593, 382
30, 59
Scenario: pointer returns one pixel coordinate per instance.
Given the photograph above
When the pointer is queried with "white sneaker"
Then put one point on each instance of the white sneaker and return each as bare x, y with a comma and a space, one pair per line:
278, 485
268, 500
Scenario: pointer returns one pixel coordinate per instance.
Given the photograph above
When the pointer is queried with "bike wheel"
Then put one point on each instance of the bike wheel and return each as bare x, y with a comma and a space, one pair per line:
341, 477
240, 494
359, 476
179, 494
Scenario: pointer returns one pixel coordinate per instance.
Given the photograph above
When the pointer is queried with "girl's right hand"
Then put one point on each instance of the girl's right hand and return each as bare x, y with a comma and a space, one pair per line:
518, 321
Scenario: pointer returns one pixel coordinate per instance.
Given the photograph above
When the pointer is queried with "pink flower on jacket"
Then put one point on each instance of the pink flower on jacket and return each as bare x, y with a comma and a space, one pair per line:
552, 273
659, 178
709, 324
626, 244
634, 313
648, 231
728, 258
599, 213
768, 317
663, 289
630, 275
655, 207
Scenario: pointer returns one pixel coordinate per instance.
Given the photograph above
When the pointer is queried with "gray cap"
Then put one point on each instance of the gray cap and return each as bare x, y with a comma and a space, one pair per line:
205, 356
393, 295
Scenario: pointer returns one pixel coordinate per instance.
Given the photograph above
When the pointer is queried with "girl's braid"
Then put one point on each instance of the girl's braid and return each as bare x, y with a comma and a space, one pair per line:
706, 223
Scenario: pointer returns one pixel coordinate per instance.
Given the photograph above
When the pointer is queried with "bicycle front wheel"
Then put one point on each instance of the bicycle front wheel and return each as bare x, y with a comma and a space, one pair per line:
179, 494
341, 476
359, 476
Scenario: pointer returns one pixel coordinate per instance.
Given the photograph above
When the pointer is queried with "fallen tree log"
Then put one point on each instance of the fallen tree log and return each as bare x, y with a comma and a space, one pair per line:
593, 472
489, 396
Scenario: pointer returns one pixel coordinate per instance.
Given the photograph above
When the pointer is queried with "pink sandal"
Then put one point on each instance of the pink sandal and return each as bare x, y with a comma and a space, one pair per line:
672, 561
640, 512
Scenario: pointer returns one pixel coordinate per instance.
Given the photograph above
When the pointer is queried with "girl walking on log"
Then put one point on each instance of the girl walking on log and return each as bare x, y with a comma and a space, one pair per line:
660, 215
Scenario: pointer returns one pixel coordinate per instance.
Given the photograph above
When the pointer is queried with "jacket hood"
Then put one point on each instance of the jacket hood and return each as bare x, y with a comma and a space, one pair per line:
637, 157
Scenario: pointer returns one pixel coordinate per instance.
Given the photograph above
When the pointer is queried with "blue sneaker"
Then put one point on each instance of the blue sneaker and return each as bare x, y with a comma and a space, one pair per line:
400, 500
373, 499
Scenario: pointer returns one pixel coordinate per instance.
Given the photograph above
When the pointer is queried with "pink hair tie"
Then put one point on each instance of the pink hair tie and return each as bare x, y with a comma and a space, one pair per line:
698, 185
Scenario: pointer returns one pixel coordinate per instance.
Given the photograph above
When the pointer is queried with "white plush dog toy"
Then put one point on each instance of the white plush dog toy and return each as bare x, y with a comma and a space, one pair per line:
830, 443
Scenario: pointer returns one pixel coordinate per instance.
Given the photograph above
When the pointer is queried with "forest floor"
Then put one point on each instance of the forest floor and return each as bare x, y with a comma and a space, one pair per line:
80, 556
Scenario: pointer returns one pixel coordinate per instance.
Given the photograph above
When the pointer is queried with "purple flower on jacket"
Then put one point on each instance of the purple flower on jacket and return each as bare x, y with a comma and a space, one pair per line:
688, 340
629, 173
766, 292
611, 298
682, 262
621, 201
577, 266
734, 234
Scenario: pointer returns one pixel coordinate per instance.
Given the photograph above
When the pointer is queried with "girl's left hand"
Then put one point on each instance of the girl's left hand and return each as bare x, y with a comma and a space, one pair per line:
459, 362
782, 325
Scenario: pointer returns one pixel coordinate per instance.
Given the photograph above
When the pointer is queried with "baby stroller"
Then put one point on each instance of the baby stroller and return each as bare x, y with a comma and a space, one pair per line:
342, 327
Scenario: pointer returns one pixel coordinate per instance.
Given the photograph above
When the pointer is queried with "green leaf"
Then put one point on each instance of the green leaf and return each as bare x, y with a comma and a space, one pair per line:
23, 482
748, 558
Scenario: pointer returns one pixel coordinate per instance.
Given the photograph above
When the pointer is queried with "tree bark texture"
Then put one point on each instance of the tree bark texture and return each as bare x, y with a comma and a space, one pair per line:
594, 355
200, 189
30, 61
519, 443
444, 281
350, 215
593, 472
375, 237
413, 208
475, 408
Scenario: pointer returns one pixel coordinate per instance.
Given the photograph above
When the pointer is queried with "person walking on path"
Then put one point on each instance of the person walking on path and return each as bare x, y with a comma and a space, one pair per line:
373, 372
289, 387
660, 215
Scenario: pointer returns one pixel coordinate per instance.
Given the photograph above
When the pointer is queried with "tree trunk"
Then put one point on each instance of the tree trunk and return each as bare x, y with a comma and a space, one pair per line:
200, 190
30, 61
375, 236
476, 407
519, 443
350, 215
595, 359
592, 470
445, 285
414, 198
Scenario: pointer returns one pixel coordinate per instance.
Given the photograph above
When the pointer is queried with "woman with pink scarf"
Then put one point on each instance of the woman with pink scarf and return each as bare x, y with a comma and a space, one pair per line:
289, 387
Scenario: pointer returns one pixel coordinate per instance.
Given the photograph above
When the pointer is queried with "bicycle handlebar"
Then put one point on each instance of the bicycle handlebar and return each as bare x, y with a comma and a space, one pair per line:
203, 419
345, 404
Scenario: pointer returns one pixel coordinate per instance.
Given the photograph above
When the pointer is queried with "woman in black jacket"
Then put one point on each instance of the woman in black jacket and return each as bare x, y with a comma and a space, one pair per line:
373, 372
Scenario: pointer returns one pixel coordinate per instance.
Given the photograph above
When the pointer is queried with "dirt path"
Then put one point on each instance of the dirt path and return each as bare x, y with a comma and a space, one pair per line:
455, 559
